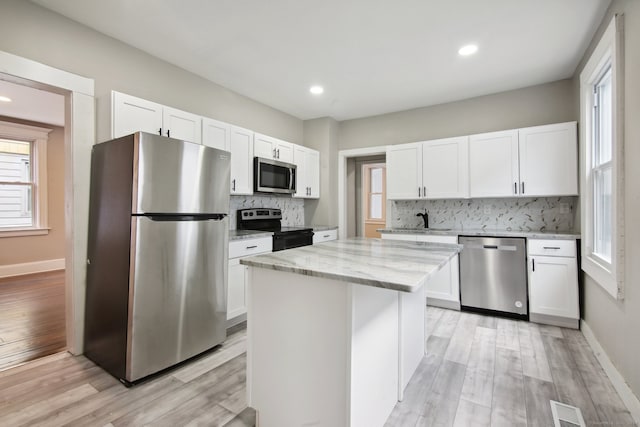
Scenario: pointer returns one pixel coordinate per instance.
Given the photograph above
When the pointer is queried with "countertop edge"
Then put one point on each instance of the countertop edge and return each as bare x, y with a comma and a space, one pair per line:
499, 233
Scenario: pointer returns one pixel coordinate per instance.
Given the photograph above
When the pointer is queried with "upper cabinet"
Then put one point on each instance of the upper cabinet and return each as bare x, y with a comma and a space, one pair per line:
528, 162
493, 164
216, 134
131, 114
307, 172
435, 169
445, 168
272, 148
404, 171
241, 148
549, 160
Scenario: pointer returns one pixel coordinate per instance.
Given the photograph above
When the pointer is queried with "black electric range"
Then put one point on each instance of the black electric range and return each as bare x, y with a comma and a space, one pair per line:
268, 219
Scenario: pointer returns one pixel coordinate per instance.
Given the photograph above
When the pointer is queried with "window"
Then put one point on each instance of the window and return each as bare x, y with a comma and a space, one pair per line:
375, 192
23, 175
602, 154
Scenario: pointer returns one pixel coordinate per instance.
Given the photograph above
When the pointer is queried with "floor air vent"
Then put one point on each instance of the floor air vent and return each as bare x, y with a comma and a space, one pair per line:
566, 415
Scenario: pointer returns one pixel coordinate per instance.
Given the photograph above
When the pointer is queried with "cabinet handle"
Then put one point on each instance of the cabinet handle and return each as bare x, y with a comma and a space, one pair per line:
424, 191
274, 153
251, 247
515, 188
160, 131
233, 184
168, 133
419, 192
522, 184
552, 247
278, 150
326, 236
533, 264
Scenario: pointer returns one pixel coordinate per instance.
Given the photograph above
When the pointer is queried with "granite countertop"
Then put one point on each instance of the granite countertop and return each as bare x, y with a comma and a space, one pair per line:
553, 235
247, 234
396, 265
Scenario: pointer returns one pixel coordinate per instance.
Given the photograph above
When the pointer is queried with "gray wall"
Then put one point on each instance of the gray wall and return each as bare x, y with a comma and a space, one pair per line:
36, 33
531, 106
616, 323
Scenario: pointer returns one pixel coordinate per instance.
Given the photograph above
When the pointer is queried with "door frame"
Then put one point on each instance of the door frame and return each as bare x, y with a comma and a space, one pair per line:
79, 138
343, 155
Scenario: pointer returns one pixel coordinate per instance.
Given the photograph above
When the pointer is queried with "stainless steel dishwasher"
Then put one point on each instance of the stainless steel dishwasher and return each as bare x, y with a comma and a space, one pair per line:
493, 275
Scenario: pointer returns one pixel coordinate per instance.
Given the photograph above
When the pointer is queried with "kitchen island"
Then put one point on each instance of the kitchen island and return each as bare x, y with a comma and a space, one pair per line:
336, 330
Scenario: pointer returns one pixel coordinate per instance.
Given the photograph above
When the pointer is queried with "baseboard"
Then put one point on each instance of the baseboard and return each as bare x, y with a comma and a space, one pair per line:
626, 394
31, 267
443, 303
563, 322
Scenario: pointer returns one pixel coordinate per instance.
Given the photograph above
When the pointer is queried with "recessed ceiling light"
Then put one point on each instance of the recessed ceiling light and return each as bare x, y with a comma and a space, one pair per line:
5, 99
316, 90
467, 50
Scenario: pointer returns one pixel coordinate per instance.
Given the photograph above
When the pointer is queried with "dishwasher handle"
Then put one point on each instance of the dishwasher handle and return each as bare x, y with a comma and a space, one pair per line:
508, 248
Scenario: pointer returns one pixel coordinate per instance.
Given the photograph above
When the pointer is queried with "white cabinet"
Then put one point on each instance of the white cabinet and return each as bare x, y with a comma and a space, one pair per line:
445, 168
553, 282
435, 169
239, 142
272, 148
443, 287
528, 162
493, 164
237, 274
324, 236
548, 160
307, 172
131, 114
404, 171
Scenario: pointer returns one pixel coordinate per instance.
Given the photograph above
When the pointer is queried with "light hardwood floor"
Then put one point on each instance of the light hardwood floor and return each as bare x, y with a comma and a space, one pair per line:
479, 371
32, 317
487, 371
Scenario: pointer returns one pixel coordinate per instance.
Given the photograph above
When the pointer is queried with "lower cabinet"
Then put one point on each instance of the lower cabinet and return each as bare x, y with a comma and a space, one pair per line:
237, 273
324, 236
443, 289
553, 282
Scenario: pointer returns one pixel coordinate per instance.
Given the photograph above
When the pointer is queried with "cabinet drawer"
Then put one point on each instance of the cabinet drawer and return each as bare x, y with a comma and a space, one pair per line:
397, 236
324, 236
247, 247
564, 248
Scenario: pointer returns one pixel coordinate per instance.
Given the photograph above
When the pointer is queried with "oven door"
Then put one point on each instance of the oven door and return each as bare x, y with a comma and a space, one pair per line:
292, 240
271, 176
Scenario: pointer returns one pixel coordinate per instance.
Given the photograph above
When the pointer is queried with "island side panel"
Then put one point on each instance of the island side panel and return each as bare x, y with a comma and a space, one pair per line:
297, 349
374, 367
412, 344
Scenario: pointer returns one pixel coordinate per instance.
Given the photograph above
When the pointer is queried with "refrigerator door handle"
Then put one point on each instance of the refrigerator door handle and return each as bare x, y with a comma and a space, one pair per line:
184, 217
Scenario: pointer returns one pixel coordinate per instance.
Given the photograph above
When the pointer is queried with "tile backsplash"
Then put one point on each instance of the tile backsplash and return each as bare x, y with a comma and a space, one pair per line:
522, 214
292, 209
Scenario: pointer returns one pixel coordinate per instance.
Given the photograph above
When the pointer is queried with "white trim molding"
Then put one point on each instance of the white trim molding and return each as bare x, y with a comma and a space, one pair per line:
31, 267
626, 394
343, 155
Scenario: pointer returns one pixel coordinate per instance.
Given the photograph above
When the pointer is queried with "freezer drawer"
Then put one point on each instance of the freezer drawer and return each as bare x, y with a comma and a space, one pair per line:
178, 291
493, 274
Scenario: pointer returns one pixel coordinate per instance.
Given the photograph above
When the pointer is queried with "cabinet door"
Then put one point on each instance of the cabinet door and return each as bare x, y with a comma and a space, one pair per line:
236, 290
182, 125
445, 168
216, 134
493, 164
284, 151
312, 166
404, 171
131, 114
241, 148
264, 146
299, 159
553, 286
549, 160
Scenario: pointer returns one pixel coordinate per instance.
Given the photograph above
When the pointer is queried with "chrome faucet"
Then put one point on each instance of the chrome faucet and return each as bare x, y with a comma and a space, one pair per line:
425, 218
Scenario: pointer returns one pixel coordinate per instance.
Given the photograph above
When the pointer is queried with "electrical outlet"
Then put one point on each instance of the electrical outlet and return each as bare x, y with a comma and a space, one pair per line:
564, 208
487, 209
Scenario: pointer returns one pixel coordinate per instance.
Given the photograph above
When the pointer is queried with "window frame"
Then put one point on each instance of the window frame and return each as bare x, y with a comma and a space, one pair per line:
607, 53
366, 168
38, 137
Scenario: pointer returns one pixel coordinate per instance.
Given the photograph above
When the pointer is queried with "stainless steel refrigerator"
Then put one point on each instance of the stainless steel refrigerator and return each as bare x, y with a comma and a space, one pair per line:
157, 253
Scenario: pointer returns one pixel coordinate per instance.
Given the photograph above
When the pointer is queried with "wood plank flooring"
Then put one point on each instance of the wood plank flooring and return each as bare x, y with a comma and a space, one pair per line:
32, 317
487, 371
479, 371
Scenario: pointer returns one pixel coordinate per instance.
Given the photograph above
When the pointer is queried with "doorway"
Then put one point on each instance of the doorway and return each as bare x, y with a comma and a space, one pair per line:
373, 199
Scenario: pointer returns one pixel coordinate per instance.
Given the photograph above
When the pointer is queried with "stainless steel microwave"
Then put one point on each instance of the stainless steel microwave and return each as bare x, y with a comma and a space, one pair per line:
272, 176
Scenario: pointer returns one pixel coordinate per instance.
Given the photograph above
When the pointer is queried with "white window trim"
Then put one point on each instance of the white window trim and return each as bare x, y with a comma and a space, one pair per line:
609, 50
39, 137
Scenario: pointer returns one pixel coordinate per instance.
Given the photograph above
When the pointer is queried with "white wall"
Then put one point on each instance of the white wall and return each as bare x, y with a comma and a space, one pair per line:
616, 323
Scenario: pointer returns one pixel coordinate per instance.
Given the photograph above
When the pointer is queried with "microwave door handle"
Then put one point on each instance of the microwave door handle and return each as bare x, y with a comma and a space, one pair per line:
292, 178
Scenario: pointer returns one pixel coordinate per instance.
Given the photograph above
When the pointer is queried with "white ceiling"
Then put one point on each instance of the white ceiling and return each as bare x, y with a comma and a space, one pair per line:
32, 104
372, 56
